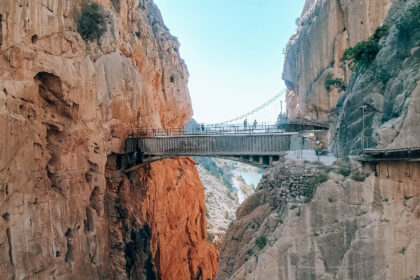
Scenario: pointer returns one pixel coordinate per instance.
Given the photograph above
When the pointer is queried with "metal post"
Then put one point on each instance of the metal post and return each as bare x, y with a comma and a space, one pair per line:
317, 148
363, 130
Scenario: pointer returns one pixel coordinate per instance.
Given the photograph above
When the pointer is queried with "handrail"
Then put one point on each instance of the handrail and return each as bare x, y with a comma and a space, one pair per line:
207, 130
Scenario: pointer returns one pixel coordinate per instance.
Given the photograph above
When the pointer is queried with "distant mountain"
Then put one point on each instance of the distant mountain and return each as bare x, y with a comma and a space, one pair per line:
191, 125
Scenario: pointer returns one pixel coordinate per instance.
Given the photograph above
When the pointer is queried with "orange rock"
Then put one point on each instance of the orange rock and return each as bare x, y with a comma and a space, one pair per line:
173, 206
66, 108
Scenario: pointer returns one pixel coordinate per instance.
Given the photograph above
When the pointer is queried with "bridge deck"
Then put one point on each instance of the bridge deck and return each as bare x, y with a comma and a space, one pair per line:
257, 149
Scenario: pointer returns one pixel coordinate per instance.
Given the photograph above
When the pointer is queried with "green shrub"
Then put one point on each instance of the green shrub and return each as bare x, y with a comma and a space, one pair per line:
358, 176
410, 20
365, 52
261, 241
361, 54
381, 31
92, 21
344, 170
336, 82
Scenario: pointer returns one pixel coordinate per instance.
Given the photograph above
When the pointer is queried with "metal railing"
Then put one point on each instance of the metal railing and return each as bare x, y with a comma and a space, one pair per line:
208, 130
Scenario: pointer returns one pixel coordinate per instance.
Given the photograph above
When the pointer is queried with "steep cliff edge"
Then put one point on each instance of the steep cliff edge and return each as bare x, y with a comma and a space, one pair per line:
381, 105
66, 107
325, 30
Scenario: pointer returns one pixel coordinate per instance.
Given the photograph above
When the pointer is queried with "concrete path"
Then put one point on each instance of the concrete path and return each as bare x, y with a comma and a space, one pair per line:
309, 155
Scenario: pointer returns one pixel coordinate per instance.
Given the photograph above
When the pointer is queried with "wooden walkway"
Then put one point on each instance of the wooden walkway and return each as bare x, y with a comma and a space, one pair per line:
259, 149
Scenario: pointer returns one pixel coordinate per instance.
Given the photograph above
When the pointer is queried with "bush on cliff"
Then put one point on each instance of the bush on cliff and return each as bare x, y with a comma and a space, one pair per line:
92, 21
358, 175
261, 241
361, 54
365, 52
336, 82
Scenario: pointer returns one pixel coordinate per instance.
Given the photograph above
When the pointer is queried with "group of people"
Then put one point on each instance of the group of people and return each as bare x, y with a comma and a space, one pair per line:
254, 125
201, 127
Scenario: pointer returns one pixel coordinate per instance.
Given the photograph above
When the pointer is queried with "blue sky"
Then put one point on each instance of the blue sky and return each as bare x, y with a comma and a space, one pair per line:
233, 50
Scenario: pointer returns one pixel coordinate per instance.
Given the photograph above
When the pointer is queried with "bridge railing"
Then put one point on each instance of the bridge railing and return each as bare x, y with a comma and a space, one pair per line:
208, 130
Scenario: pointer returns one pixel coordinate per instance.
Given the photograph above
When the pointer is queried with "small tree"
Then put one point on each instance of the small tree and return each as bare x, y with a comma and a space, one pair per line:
336, 82
365, 52
92, 21
261, 241
380, 32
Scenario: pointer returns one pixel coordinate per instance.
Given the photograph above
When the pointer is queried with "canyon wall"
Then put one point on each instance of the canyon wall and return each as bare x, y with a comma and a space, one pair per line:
346, 221
66, 107
352, 228
387, 89
326, 28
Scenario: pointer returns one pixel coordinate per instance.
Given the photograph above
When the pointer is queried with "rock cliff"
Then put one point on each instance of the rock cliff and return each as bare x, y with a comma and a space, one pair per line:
326, 28
348, 221
66, 107
381, 106
352, 228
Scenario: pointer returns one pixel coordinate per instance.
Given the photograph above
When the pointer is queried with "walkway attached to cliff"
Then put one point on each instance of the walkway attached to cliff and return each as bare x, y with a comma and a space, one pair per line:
392, 154
259, 145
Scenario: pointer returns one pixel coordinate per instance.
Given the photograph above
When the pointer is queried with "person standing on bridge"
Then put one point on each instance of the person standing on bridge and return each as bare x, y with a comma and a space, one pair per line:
245, 123
254, 126
202, 127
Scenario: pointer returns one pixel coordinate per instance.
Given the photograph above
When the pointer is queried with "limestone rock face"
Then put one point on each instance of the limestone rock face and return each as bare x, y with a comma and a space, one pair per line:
349, 230
387, 89
325, 30
220, 208
66, 108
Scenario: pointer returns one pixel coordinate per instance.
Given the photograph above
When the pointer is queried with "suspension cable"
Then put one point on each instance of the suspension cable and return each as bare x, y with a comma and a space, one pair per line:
256, 109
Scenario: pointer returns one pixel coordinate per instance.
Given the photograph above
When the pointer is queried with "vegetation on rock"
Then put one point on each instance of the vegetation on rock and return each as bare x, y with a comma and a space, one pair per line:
261, 241
336, 82
313, 183
344, 170
358, 176
363, 53
92, 21
410, 20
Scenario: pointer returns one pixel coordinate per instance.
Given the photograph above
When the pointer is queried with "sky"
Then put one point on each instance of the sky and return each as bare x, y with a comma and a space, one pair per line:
234, 52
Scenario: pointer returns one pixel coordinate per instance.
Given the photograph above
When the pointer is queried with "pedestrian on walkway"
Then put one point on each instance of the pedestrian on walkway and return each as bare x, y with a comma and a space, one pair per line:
245, 123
